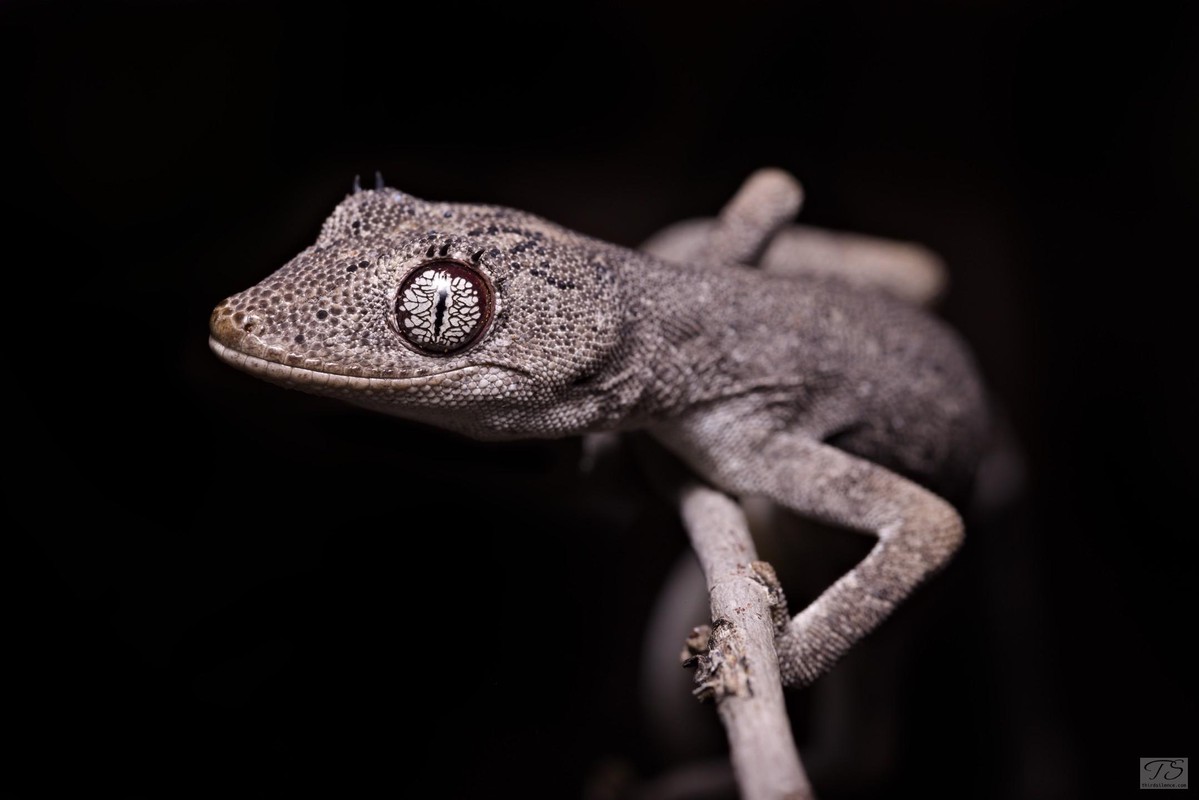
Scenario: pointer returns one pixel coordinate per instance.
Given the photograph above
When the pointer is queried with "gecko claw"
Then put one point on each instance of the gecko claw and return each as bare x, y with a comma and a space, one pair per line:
378, 180
357, 187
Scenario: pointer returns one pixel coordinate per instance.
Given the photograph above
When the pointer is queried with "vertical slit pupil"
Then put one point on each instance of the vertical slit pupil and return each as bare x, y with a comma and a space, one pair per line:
424, 317
443, 295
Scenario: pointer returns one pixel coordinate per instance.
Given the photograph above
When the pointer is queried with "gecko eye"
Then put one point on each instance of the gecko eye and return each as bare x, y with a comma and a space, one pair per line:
443, 307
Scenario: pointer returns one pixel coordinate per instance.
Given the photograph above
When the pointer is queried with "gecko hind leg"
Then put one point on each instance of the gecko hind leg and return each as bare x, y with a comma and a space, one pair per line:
905, 270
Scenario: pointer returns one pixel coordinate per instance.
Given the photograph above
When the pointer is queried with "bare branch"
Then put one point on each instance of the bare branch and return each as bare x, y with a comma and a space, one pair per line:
740, 667
735, 660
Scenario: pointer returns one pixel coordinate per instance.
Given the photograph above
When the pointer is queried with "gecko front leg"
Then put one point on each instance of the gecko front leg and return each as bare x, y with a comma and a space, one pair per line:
917, 531
765, 203
753, 229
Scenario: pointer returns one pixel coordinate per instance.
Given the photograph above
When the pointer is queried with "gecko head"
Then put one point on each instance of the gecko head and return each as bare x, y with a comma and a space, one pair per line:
480, 319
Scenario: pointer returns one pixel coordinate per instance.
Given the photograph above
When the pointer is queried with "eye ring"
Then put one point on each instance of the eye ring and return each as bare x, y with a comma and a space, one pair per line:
442, 307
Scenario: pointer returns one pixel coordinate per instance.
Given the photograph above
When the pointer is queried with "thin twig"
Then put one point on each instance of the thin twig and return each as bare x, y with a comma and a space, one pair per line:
735, 660
740, 668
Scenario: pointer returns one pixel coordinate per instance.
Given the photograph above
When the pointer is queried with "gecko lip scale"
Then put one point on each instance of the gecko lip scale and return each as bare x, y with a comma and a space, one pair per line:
299, 376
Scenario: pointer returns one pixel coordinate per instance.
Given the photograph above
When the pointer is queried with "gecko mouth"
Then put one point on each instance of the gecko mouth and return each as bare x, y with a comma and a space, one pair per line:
329, 382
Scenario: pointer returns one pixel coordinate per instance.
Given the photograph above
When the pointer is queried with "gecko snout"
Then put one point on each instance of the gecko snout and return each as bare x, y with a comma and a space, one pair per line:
231, 327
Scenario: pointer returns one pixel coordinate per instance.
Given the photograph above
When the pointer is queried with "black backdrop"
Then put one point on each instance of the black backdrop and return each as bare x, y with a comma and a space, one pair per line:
224, 585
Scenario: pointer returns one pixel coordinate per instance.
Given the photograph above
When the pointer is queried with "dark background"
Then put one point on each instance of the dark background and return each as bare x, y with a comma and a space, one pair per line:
217, 586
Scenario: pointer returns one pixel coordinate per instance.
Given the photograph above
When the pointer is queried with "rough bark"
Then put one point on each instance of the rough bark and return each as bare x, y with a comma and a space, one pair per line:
735, 660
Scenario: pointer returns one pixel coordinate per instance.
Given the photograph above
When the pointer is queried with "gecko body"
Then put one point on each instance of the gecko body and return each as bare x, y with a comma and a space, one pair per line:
842, 403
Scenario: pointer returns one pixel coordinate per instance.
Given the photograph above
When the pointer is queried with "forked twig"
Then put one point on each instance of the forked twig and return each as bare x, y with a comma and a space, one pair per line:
735, 660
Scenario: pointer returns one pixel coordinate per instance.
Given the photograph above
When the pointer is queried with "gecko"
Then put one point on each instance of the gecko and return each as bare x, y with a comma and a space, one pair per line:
842, 401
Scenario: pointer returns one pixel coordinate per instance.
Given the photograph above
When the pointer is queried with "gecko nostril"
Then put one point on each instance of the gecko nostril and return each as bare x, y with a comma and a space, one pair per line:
230, 326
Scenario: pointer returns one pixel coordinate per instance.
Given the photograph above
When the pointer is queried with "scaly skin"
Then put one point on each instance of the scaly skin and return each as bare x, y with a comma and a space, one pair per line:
842, 404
